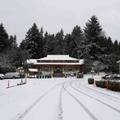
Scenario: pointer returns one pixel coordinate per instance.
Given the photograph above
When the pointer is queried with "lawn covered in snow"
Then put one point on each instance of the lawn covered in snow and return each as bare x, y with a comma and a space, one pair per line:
57, 99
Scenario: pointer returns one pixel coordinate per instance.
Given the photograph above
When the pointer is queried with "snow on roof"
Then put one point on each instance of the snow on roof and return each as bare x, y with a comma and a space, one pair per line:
58, 57
80, 63
55, 57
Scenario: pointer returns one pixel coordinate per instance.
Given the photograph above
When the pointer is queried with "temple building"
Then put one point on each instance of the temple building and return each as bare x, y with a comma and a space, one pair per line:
55, 66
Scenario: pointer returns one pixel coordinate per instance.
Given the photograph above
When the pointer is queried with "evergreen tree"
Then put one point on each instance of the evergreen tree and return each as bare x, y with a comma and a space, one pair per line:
19, 57
94, 36
116, 48
59, 40
50, 44
3, 38
12, 41
69, 44
109, 45
119, 49
77, 42
93, 29
45, 43
34, 42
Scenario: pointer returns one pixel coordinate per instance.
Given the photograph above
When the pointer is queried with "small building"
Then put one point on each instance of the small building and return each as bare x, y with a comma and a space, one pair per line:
55, 66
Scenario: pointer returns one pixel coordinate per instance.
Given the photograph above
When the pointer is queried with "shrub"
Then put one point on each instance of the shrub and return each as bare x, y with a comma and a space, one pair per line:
91, 80
113, 85
101, 84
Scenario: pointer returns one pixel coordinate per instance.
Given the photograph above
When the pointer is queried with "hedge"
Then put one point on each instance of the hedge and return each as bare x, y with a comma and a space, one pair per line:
101, 84
112, 85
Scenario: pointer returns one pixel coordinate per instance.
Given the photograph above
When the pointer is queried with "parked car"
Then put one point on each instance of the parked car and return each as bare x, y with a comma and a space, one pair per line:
12, 75
107, 76
111, 77
1, 76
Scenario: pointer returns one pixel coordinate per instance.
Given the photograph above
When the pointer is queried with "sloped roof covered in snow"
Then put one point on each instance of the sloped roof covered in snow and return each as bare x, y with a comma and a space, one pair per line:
56, 58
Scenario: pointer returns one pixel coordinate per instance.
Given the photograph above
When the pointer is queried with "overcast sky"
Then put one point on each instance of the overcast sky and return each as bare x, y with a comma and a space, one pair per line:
18, 15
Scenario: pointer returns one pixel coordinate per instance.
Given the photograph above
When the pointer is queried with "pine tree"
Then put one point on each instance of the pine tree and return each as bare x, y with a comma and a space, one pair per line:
34, 42
69, 44
76, 42
19, 57
94, 36
109, 45
45, 43
12, 41
59, 40
116, 47
3, 38
93, 29
50, 44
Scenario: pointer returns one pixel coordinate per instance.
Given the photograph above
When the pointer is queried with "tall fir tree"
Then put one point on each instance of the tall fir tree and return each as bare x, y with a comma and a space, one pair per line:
109, 45
45, 43
94, 36
12, 41
34, 42
59, 40
50, 43
4, 37
93, 29
116, 47
77, 42
69, 44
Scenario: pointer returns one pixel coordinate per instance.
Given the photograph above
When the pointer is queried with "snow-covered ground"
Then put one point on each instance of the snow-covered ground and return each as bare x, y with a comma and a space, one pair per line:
57, 99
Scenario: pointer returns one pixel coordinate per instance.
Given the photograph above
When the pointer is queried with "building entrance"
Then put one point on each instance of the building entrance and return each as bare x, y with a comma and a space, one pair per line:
58, 72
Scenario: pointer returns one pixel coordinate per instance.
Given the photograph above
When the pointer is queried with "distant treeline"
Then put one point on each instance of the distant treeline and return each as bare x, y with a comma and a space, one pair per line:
89, 43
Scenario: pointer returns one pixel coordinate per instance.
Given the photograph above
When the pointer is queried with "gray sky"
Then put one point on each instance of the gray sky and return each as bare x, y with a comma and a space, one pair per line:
18, 15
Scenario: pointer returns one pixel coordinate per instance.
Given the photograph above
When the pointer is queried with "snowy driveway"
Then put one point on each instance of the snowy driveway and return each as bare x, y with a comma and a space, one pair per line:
57, 99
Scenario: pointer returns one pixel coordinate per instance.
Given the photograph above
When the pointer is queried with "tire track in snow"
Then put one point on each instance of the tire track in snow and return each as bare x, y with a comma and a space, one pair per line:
82, 105
60, 107
113, 98
20, 116
2, 94
100, 101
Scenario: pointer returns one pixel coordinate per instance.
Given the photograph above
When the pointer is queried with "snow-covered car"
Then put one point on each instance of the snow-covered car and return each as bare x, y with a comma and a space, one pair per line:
107, 76
12, 75
1, 76
112, 77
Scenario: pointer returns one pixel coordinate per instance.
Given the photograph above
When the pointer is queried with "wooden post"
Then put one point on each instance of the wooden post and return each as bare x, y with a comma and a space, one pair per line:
107, 84
25, 80
8, 84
